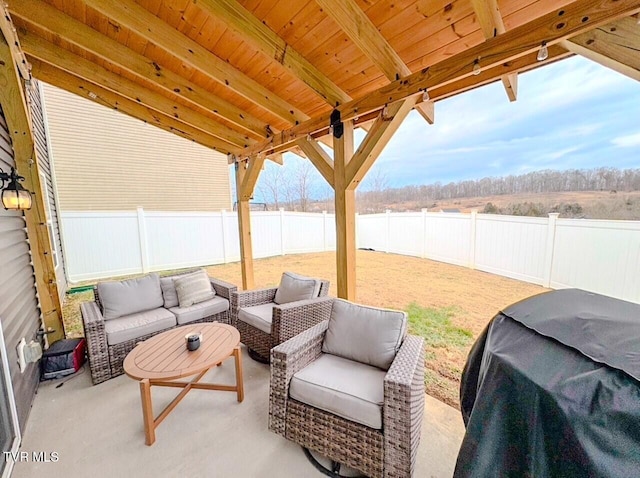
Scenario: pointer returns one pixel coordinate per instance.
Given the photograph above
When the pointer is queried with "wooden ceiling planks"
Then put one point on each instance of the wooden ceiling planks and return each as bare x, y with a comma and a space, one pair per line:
422, 32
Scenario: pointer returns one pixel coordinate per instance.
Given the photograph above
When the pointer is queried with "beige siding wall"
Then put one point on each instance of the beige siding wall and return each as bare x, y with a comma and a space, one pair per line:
105, 160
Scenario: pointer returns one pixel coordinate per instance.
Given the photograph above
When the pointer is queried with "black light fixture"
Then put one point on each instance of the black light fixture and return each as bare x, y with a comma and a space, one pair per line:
14, 196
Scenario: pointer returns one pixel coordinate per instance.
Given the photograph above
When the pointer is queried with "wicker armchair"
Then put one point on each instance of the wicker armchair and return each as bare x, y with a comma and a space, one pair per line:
287, 320
386, 452
105, 361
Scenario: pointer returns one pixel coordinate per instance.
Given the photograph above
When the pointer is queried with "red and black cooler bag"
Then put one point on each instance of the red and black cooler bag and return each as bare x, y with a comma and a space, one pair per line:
64, 357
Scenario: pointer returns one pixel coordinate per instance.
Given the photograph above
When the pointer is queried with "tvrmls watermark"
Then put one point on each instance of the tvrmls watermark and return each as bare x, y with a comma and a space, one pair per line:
31, 457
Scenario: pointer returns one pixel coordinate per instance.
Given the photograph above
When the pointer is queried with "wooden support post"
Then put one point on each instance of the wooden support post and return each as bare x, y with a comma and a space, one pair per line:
15, 111
244, 228
345, 203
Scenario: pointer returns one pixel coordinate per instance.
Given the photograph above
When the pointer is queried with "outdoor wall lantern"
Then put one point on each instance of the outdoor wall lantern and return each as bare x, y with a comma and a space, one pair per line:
14, 196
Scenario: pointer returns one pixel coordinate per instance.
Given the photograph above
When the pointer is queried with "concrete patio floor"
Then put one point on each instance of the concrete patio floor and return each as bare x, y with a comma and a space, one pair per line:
97, 432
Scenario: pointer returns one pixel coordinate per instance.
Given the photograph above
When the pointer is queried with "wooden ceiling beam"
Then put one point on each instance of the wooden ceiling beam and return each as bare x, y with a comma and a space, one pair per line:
73, 84
132, 16
492, 25
48, 52
615, 46
573, 19
361, 30
269, 43
489, 75
319, 157
52, 20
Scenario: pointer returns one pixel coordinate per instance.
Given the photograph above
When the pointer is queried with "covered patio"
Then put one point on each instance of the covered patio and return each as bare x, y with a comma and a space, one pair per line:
256, 79
97, 431
253, 80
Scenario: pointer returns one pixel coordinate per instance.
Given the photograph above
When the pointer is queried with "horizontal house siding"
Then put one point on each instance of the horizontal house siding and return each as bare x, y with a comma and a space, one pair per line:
40, 139
19, 310
105, 160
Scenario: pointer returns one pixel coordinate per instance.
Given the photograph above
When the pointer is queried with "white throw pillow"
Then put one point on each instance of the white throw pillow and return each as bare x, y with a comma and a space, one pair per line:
294, 287
367, 335
193, 288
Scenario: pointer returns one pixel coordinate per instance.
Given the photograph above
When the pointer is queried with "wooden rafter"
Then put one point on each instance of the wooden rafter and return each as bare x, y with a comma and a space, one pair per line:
73, 84
43, 15
615, 46
361, 30
49, 53
134, 17
268, 42
492, 25
16, 114
575, 18
602, 59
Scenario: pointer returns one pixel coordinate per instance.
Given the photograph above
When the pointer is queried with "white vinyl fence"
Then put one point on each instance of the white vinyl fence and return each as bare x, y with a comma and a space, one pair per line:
107, 244
599, 256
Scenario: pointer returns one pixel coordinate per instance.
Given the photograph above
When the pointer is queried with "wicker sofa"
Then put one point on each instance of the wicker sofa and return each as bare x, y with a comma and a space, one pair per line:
268, 317
109, 340
349, 405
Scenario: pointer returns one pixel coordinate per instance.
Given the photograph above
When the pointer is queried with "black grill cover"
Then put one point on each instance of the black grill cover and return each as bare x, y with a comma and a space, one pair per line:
551, 389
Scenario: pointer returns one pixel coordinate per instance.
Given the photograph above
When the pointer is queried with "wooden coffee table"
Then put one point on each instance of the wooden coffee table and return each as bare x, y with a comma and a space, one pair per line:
162, 359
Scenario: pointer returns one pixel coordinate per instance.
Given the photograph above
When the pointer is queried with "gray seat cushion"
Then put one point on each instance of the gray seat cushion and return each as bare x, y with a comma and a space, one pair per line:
200, 310
120, 298
349, 389
259, 316
294, 287
365, 334
136, 325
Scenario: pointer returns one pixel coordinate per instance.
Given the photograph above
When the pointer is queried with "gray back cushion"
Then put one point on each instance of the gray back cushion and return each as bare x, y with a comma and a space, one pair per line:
294, 287
193, 288
169, 292
126, 297
365, 334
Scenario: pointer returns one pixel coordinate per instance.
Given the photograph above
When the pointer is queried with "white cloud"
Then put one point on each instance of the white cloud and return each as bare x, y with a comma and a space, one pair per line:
560, 153
627, 141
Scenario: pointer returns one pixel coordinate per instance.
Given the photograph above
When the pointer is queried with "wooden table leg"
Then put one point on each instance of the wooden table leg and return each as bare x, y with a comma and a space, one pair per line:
147, 412
239, 380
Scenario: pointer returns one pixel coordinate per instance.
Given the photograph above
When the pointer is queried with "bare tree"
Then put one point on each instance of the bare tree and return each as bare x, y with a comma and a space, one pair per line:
303, 183
270, 185
375, 191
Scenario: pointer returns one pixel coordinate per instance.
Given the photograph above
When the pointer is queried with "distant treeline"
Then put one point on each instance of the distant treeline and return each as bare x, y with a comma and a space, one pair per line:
599, 179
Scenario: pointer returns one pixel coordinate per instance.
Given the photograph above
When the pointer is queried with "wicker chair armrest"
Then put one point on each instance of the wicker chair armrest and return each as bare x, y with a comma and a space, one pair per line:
96, 338
91, 315
404, 395
249, 298
286, 359
295, 317
222, 288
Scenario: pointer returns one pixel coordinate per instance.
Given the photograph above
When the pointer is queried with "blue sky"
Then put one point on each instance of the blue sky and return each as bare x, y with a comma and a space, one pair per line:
571, 114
